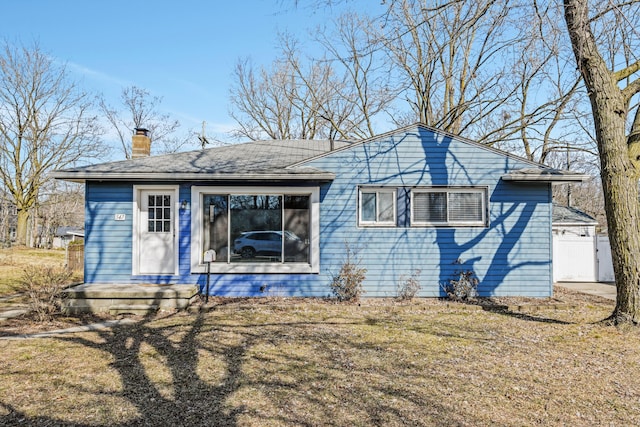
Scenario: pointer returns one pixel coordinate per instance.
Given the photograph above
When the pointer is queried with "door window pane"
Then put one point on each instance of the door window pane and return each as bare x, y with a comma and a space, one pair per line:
158, 217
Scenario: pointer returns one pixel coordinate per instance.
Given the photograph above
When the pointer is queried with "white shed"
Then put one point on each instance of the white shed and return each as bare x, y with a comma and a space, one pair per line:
575, 255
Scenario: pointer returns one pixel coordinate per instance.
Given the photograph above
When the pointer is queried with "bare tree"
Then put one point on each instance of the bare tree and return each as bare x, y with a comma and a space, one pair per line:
267, 103
46, 122
540, 116
366, 91
336, 96
473, 69
61, 205
140, 109
470, 68
450, 58
605, 45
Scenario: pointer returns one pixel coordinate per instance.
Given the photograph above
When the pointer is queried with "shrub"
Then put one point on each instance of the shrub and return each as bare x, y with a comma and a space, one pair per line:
347, 284
408, 287
44, 286
463, 286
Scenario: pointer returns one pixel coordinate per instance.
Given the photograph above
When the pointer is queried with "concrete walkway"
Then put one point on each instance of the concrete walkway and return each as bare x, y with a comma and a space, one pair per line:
605, 290
83, 328
10, 307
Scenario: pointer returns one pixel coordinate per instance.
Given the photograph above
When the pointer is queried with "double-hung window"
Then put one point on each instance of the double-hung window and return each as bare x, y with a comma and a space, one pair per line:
377, 206
448, 207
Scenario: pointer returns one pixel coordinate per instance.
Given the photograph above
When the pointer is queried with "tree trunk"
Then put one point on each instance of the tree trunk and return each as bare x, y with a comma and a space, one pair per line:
619, 172
21, 227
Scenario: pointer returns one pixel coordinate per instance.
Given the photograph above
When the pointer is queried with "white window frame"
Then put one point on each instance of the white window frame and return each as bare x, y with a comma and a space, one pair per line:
483, 191
197, 229
376, 223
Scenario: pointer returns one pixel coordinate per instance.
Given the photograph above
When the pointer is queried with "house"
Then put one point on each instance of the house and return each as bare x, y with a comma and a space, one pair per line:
8, 219
65, 235
579, 253
278, 217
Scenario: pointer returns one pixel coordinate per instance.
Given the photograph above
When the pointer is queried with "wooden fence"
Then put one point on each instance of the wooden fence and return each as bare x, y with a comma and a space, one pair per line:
75, 257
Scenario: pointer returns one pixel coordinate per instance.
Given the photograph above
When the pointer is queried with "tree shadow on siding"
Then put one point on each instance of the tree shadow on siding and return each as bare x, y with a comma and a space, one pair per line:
508, 219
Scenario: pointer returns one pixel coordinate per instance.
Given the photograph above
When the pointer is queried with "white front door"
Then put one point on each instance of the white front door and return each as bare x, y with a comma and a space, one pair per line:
156, 248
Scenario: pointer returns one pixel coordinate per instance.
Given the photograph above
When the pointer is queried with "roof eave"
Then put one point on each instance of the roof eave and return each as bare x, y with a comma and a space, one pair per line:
574, 223
553, 179
201, 177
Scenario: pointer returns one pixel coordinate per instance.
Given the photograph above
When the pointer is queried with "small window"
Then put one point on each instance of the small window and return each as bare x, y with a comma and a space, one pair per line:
460, 207
377, 206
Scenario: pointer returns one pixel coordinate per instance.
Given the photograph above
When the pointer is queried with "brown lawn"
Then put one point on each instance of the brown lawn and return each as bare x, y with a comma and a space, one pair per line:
13, 262
278, 362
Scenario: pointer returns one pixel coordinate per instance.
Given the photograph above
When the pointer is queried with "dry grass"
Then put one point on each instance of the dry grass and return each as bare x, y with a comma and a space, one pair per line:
15, 260
273, 362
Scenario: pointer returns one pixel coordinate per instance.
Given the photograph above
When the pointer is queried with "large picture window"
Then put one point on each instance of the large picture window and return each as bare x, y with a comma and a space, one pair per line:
450, 206
377, 207
269, 230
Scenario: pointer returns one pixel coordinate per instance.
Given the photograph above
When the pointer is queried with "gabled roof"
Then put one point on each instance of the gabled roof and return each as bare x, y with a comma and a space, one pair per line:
274, 160
566, 215
251, 161
536, 173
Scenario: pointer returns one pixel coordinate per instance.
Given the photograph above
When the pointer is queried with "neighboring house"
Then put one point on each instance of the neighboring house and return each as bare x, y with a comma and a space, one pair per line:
8, 219
416, 199
65, 235
579, 253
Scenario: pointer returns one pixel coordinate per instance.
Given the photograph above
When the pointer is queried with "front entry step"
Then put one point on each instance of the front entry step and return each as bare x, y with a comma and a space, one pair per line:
140, 309
128, 298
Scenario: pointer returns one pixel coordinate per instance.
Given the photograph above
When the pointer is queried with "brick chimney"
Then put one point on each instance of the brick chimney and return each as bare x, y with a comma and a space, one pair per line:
140, 143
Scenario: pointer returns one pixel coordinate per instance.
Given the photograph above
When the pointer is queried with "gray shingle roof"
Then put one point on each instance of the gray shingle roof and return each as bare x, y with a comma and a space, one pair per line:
274, 160
257, 160
568, 215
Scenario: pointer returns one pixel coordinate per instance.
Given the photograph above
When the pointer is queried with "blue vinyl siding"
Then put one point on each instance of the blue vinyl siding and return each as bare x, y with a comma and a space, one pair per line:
512, 256
108, 243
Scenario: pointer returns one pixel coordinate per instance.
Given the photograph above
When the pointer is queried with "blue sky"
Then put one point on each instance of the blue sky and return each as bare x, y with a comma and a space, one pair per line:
183, 51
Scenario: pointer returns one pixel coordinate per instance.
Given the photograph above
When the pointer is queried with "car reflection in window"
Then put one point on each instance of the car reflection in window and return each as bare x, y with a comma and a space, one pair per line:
252, 244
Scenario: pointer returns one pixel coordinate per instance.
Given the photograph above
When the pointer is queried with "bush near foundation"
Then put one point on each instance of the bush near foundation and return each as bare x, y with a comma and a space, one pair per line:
347, 284
44, 286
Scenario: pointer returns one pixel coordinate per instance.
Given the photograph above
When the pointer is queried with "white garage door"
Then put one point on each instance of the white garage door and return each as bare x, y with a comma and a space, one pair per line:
574, 258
